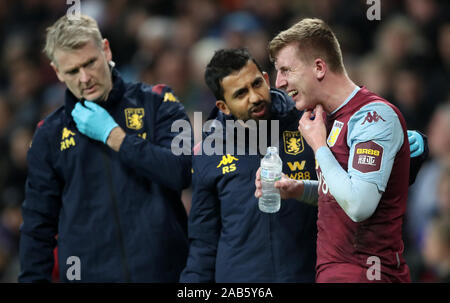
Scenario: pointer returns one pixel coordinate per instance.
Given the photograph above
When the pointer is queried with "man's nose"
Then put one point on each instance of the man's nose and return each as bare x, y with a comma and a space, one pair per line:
280, 81
254, 97
84, 76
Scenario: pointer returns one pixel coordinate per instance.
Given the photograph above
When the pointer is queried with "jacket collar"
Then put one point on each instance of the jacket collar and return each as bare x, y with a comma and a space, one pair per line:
282, 104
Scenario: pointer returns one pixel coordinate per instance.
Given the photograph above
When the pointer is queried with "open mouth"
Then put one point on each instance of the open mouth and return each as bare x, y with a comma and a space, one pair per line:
293, 93
259, 110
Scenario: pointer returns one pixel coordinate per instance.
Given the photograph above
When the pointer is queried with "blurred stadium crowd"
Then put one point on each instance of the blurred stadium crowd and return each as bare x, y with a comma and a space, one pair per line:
404, 57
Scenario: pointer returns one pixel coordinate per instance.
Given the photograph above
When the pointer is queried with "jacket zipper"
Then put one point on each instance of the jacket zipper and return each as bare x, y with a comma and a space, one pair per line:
115, 209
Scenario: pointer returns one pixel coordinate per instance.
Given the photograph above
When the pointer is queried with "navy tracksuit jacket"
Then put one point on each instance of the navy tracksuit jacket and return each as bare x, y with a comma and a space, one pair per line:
120, 213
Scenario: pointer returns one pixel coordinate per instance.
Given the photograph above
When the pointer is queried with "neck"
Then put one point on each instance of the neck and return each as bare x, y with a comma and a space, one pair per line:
338, 88
104, 98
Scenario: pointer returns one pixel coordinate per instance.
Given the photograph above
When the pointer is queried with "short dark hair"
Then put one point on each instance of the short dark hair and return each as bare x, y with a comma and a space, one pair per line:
223, 63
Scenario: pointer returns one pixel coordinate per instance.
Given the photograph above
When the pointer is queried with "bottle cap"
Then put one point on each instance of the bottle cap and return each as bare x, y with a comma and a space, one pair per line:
272, 150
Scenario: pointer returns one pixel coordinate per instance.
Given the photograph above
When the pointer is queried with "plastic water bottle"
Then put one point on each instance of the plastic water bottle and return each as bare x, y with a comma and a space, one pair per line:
271, 167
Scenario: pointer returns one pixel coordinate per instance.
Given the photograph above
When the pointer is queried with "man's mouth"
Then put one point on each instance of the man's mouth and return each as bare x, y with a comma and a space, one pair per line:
89, 89
293, 93
259, 110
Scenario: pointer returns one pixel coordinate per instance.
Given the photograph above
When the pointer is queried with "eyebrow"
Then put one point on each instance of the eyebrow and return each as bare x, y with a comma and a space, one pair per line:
282, 68
73, 69
244, 89
279, 66
239, 91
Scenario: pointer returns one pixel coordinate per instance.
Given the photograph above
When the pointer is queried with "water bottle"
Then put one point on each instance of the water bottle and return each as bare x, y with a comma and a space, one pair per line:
271, 167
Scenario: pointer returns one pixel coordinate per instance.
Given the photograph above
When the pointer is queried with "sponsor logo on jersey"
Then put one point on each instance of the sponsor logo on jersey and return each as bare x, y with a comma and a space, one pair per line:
334, 134
293, 166
170, 97
372, 117
293, 142
143, 135
298, 170
367, 157
134, 118
227, 164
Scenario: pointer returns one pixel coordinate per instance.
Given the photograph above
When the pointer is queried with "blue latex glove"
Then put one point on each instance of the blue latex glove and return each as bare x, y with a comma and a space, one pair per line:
416, 144
93, 121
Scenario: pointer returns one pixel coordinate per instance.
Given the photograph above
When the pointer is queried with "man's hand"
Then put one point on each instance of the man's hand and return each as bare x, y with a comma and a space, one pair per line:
289, 188
312, 127
416, 144
93, 121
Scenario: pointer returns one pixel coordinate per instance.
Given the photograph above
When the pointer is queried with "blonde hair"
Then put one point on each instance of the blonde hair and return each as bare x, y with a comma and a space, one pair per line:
71, 33
315, 39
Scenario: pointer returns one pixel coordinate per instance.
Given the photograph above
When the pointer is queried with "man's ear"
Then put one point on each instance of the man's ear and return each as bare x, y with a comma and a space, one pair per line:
222, 106
266, 77
55, 68
320, 69
107, 50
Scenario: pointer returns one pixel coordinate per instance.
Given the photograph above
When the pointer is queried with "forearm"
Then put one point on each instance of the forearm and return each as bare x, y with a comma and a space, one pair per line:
37, 241
310, 194
357, 198
156, 163
115, 138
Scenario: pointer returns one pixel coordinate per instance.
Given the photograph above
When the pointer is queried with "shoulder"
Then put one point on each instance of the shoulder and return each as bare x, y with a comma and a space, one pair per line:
158, 98
52, 122
277, 93
204, 170
373, 107
282, 104
202, 160
374, 112
205, 164
48, 132
159, 93
375, 120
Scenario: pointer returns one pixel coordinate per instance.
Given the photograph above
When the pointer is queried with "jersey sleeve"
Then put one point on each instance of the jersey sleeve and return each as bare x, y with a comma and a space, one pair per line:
375, 135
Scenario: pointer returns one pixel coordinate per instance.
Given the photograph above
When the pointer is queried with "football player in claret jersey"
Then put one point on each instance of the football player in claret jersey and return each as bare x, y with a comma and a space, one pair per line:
362, 158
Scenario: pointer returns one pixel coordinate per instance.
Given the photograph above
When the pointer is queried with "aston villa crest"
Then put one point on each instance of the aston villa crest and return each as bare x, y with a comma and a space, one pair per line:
334, 134
293, 142
134, 118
